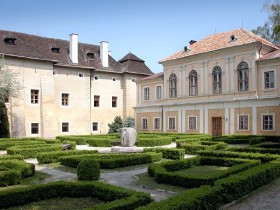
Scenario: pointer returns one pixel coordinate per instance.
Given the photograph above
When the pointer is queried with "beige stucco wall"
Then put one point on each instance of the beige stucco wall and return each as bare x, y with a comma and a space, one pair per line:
243, 111
275, 110
192, 113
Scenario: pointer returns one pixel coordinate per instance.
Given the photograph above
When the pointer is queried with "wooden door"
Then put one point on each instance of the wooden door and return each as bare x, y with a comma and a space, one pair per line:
217, 126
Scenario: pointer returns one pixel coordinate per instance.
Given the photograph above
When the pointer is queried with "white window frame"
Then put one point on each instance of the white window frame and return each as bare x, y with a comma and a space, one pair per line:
96, 107
156, 92
189, 123
174, 123
69, 99
34, 104
35, 134
81, 75
154, 120
98, 127
273, 120
146, 93
142, 123
275, 80
112, 102
62, 127
238, 122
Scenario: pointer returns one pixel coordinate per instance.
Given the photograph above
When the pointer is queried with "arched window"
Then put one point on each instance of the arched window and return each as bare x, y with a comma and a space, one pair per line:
193, 83
217, 80
243, 76
173, 86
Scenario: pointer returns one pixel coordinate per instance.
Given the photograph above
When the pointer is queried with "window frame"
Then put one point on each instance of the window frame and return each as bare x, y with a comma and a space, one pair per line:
169, 124
116, 101
95, 131
146, 93
154, 123
94, 101
273, 121
217, 74
31, 97
61, 99
158, 93
238, 122
68, 127
243, 83
34, 134
193, 83
264, 80
189, 124
173, 86
144, 126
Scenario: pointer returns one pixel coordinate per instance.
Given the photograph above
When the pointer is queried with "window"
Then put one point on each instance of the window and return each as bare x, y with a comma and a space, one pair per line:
65, 127
133, 79
96, 77
193, 83
34, 128
114, 79
146, 93
243, 76
54, 72
173, 86
158, 92
80, 75
90, 56
243, 122
96, 101
268, 122
55, 50
114, 101
10, 41
65, 99
192, 123
156, 123
217, 80
144, 123
171, 123
269, 79
34, 96
95, 126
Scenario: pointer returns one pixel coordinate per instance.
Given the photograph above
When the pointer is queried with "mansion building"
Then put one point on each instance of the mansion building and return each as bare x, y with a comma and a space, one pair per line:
68, 87
227, 83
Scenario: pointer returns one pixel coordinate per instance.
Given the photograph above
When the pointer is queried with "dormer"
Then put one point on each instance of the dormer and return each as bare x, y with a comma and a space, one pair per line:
10, 40
232, 38
90, 56
55, 50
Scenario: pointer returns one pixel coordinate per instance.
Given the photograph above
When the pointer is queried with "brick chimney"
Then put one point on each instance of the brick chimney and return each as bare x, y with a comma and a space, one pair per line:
73, 48
104, 53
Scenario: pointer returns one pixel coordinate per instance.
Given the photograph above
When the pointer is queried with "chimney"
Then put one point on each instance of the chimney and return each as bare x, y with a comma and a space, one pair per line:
104, 53
192, 42
73, 52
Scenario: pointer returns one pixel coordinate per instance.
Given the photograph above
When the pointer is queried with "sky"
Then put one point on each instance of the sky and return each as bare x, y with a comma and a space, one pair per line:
150, 29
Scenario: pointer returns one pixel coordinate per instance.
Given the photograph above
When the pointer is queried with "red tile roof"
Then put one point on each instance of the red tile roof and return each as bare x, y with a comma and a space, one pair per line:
155, 76
220, 41
271, 55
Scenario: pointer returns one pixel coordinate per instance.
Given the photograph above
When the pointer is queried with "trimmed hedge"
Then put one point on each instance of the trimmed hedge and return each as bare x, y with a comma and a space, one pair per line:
12, 171
115, 197
99, 142
168, 153
88, 170
78, 140
52, 157
195, 146
11, 157
6, 144
113, 160
257, 150
167, 172
151, 142
240, 139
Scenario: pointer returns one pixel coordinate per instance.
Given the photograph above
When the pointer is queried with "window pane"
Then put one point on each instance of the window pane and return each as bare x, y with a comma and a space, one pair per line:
172, 124
268, 122
157, 123
114, 101
145, 123
173, 86
34, 96
95, 126
192, 123
34, 128
65, 99
96, 101
158, 94
65, 127
146, 93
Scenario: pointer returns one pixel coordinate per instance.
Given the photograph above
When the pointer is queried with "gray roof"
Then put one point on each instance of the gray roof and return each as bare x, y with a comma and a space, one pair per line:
37, 47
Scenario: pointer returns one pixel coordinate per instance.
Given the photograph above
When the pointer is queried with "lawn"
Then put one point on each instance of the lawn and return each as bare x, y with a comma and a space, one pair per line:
202, 171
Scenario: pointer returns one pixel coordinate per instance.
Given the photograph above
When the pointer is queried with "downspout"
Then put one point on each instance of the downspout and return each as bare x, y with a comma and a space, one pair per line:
90, 99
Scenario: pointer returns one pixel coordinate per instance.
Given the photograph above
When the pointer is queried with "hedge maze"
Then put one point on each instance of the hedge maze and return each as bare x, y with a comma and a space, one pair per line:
224, 169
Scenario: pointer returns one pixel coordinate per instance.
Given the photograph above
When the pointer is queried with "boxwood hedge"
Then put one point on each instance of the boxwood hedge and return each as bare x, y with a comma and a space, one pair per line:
169, 153
195, 146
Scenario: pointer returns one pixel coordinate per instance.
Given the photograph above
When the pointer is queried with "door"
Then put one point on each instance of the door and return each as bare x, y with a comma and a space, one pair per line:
217, 126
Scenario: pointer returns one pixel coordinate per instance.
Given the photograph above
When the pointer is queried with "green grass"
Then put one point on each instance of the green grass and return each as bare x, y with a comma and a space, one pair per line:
146, 180
202, 171
60, 204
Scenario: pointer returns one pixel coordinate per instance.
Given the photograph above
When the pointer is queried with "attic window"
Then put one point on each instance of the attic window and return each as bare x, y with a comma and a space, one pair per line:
232, 38
10, 41
55, 50
187, 49
90, 55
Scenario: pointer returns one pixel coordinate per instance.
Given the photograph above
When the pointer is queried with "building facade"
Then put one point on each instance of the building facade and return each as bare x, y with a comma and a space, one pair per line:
227, 83
68, 87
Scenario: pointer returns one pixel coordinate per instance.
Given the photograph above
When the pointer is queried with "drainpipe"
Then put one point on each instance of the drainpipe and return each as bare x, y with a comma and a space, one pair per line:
162, 118
90, 97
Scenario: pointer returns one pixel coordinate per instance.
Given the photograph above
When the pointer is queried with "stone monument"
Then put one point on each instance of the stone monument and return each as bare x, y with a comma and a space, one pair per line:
128, 137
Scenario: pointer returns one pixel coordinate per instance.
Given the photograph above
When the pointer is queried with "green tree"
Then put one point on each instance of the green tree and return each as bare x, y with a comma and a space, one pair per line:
270, 30
116, 126
129, 122
4, 122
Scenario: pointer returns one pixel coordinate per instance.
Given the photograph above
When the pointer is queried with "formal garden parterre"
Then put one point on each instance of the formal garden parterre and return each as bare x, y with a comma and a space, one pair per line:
225, 169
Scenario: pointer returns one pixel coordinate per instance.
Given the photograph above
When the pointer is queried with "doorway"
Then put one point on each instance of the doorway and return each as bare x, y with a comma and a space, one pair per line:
217, 126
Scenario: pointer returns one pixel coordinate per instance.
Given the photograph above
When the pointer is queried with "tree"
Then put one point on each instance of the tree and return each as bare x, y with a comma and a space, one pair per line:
129, 122
116, 126
4, 122
270, 30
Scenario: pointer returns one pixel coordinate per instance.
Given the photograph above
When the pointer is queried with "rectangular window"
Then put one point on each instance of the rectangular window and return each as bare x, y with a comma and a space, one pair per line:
65, 99
65, 127
34, 128
192, 123
95, 126
156, 123
96, 101
146, 93
269, 79
114, 101
171, 123
34, 99
243, 122
268, 122
144, 123
158, 92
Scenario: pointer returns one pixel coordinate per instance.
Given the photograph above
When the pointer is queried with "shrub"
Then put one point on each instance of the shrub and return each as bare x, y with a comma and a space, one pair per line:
151, 142
99, 142
195, 146
4, 125
88, 170
168, 153
79, 140
257, 150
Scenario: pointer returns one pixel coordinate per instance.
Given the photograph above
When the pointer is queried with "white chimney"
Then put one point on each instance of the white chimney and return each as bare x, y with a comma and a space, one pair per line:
73, 52
104, 53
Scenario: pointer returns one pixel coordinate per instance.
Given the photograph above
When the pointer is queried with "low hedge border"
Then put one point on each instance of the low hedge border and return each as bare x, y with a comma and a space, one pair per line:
227, 154
195, 146
6, 144
11, 157
12, 171
224, 190
99, 142
168, 153
166, 172
52, 157
151, 142
113, 160
257, 150
115, 197
240, 139
77, 139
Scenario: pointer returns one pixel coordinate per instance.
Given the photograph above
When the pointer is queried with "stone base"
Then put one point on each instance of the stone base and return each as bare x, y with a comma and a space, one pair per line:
126, 149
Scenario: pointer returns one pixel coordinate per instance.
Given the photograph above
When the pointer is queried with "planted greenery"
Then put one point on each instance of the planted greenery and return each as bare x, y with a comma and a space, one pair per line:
88, 170
168, 153
194, 146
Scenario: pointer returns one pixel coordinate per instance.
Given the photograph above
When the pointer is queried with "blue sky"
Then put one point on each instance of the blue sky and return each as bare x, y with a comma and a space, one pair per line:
151, 29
